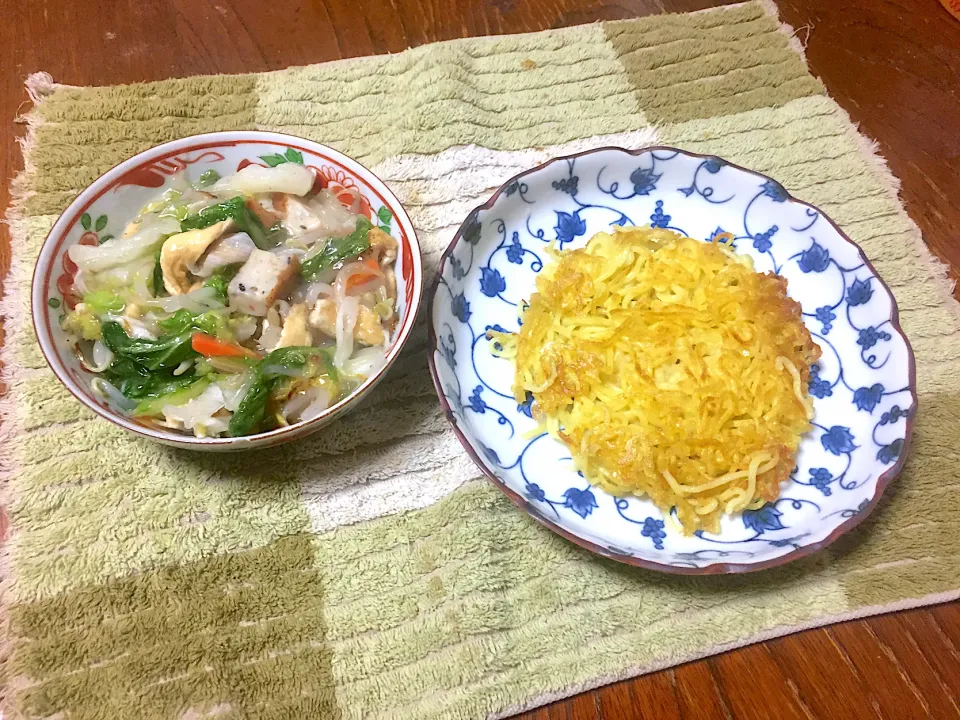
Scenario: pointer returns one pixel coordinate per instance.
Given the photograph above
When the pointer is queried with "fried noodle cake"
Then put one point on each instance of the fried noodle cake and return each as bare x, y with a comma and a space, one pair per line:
670, 368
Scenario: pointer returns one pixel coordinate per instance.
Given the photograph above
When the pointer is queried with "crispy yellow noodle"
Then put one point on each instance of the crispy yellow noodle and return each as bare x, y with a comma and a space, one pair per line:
670, 368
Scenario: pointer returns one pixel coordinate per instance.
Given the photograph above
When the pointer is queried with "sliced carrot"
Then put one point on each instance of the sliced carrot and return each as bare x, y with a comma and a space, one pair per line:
266, 218
372, 272
209, 346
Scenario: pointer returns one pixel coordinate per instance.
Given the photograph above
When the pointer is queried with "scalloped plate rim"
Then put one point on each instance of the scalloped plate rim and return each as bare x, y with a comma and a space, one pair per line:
718, 568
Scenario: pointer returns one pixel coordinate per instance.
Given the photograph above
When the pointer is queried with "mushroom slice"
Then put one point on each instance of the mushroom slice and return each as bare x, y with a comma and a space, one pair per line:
182, 250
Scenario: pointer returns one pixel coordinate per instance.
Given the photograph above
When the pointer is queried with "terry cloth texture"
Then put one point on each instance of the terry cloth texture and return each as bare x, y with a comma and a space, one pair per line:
369, 572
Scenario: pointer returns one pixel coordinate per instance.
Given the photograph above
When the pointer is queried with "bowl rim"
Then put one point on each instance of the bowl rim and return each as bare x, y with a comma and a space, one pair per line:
720, 568
57, 235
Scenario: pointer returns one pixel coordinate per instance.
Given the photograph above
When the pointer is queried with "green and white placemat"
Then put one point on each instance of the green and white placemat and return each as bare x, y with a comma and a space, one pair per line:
368, 571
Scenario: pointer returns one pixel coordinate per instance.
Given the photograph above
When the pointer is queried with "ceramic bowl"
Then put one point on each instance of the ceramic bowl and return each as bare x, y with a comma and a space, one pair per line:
863, 386
104, 208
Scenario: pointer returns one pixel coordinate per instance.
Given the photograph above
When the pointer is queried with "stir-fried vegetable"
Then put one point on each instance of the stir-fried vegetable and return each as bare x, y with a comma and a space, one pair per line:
121, 251
252, 412
82, 322
370, 272
209, 346
176, 396
184, 317
182, 321
206, 179
156, 279
101, 302
233, 209
136, 382
167, 351
337, 250
220, 280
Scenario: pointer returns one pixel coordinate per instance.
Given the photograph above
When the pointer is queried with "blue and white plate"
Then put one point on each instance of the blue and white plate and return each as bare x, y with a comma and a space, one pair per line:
863, 386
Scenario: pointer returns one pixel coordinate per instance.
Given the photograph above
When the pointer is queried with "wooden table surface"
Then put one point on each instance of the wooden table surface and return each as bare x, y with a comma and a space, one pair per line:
894, 65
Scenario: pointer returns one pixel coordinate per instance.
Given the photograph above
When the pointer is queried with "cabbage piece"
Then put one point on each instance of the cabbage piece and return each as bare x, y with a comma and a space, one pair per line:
291, 178
82, 321
152, 232
178, 396
198, 301
198, 413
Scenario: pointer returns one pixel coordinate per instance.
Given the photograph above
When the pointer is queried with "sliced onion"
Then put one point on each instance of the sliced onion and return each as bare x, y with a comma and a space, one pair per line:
245, 328
293, 407
198, 413
371, 286
140, 288
271, 369
228, 250
79, 283
312, 292
321, 403
183, 367
234, 389
102, 357
347, 314
355, 205
315, 250
270, 334
106, 391
228, 365
366, 362
334, 220
133, 327
343, 277
199, 300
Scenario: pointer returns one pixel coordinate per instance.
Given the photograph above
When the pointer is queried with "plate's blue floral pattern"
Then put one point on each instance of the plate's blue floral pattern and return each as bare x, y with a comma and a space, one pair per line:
861, 385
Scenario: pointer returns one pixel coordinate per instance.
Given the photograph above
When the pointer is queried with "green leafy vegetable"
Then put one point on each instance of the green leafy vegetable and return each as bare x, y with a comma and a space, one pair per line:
293, 357
235, 209
337, 250
175, 211
103, 302
176, 395
126, 376
252, 411
384, 214
167, 351
81, 321
182, 321
273, 160
206, 179
156, 280
163, 205
220, 280
290, 155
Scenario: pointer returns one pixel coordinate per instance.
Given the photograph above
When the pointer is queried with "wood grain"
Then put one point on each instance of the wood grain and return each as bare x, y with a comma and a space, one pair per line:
894, 65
